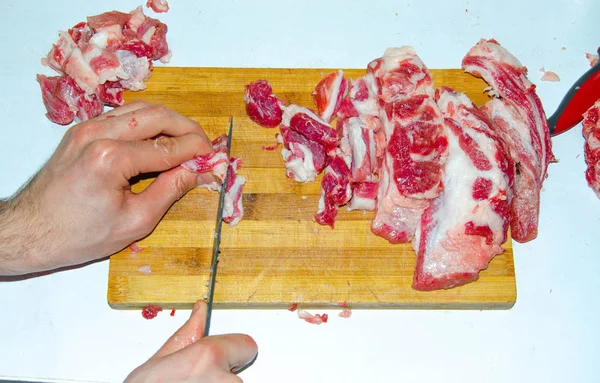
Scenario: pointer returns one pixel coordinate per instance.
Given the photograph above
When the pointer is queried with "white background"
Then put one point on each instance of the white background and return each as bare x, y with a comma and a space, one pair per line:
60, 326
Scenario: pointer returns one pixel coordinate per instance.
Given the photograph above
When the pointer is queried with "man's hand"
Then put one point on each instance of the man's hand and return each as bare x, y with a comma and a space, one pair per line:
80, 207
188, 357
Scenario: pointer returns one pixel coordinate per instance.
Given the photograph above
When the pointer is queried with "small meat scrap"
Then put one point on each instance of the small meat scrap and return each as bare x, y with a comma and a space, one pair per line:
158, 6
305, 122
329, 93
146, 270
261, 105
172, 313
98, 59
591, 133
592, 58
293, 307
335, 191
549, 76
313, 319
151, 311
346, 313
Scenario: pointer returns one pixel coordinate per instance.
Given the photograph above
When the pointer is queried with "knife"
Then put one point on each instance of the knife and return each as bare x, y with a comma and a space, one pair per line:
582, 95
217, 239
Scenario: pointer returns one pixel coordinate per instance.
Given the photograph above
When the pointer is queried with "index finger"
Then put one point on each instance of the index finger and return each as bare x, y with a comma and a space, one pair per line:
146, 122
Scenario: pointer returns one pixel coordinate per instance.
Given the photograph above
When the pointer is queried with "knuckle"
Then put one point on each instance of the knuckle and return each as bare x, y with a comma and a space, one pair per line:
157, 110
168, 145
214, 355
81, 134
102, 154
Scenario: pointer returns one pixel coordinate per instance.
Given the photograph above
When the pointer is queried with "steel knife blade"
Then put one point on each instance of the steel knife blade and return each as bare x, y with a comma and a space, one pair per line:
217, 239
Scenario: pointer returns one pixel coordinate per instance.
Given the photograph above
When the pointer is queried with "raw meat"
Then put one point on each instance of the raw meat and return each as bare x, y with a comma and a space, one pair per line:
233, 210
314, 319
363, 141
151, 311
307, 123
329, 93
335, 191
462, 230
549, 76
519, 117
591, 133
65, 100
293, 307
112, 52
592, 58
362, 99
158, 6
346, 313
364, 196
216, 162
416, 145
261, 105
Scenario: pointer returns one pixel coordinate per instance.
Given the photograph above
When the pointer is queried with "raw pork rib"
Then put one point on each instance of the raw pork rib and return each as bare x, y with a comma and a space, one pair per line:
329, 93
462, 230
219, 164
416, 146
591, 132
519, 117
261, 105
99, 59
335, 191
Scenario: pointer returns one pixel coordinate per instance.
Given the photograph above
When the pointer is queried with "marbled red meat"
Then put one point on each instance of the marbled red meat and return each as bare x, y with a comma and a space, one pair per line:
335, 191
307, 123
329, 93
65, 101
463, 228
416, 145
261, 105
591, 133
520, 119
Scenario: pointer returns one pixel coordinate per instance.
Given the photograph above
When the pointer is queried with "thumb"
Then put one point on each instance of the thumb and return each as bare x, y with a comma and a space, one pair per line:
166, 189
190, 332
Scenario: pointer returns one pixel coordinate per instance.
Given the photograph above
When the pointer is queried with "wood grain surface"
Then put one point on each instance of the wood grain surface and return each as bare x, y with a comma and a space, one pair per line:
277, 254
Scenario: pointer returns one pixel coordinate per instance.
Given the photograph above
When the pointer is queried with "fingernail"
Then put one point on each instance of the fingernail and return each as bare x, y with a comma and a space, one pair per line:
241, 367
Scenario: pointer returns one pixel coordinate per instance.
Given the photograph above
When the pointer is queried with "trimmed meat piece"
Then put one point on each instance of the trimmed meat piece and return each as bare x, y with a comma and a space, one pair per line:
329, 93
362, 99
549, 76
364, 195
233, 210
521, 121
111, 93
462, 230
346, 313
216, 162
313, 319
60, 52
311, 126
136, 70
108, 19
158, 6
261, 105
335, 191
65, 101
591, 133
154, 33
304, 159
364, 139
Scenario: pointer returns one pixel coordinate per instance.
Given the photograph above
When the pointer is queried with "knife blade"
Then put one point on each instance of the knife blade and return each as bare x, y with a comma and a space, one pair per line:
217, 239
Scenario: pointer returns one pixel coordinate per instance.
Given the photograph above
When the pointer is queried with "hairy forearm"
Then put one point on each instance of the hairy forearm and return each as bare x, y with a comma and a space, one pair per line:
17, 240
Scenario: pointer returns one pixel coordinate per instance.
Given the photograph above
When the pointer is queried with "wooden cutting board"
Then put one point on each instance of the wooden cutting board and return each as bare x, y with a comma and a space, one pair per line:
277, 254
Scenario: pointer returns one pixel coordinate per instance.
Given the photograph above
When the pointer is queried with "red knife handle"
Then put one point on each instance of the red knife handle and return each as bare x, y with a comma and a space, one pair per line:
582, 95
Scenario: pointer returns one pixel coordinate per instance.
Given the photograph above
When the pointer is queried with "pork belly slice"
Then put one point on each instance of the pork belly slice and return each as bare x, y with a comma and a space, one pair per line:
462, 230
521, 121
65, 101
591, 133
261, 104
329, 93
335, 191
233, 210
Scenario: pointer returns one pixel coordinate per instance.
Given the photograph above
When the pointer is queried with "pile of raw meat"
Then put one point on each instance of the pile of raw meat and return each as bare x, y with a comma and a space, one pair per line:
98, 59
438, 171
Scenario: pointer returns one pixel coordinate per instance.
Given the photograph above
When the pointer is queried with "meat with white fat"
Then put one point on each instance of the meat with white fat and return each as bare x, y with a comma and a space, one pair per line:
591, 133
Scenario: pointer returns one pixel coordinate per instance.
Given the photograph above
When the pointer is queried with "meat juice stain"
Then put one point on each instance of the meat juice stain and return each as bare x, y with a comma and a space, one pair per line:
132, 123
